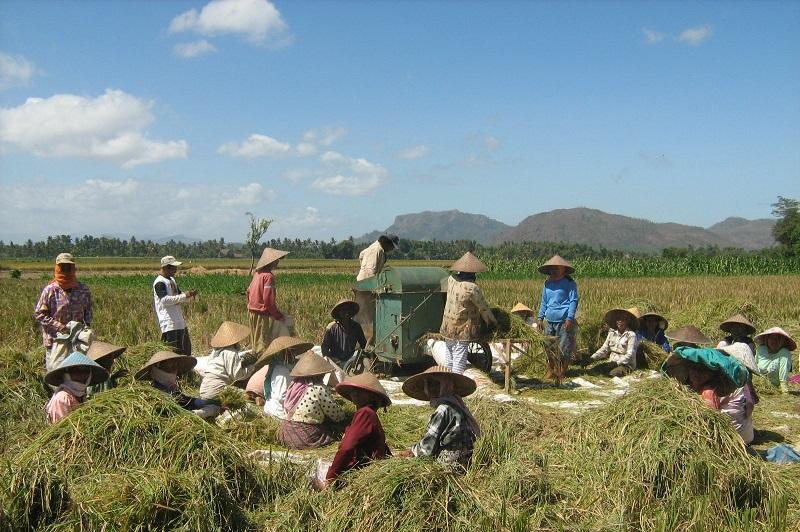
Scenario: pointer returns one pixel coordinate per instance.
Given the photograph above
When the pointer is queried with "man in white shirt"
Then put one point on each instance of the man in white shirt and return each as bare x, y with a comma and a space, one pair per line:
167, 299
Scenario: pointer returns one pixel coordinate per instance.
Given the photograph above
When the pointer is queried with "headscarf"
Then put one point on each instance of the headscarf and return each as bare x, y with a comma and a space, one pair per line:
76, 388
66, 281
296, 391
447, 395
168, 380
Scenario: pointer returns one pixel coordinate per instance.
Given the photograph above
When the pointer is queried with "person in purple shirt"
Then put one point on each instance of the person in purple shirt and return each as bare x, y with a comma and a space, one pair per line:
558, 306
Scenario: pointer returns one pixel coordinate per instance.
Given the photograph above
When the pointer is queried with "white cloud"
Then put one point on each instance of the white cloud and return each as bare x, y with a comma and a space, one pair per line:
109, 127
259, 21
305, 149
325, 136
256, 146
250, 194
695, 36
15, 71
307, 217
364, 176
652, 36
414, 152
491, 142
189, 50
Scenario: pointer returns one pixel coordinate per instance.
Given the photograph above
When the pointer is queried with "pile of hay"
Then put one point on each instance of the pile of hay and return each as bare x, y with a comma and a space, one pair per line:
23, 395
659, 459
131, 458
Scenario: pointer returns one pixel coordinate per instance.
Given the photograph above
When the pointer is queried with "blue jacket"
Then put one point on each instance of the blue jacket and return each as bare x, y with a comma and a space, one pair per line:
559, 300
659, 338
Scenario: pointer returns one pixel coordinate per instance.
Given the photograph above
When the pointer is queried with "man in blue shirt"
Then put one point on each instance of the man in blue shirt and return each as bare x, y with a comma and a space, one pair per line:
558, 306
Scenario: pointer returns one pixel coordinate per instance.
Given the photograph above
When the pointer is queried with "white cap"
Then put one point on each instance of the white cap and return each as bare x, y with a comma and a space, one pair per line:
65, 258
169, 260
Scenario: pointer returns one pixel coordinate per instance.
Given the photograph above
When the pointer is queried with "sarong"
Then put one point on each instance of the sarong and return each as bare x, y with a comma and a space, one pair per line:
260, 326
299, 435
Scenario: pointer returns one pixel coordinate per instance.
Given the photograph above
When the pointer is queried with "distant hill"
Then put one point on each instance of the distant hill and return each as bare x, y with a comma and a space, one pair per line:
748, 234
442, 225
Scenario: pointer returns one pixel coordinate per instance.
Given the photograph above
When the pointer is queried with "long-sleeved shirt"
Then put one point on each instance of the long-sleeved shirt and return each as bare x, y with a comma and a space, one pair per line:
56, 307
658, 338
464, 309
61, 405
619, 348
372, 259
340, 340
317, 405
261, 295
223, 367
363, 442
775, 366
559, 300
739, 407
447, 437
167, 299
279, 381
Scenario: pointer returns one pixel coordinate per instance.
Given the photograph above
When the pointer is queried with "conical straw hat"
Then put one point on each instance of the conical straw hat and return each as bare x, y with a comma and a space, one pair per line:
741, 352
688, 335
98, 350
311, 365
761, 338
630, 315
268, 256
55, 376
522, 309
656, 315
415, 385
342, 303
185, 363
468, 263
294, 346
363, 381
731, 323
556, 260
229, 333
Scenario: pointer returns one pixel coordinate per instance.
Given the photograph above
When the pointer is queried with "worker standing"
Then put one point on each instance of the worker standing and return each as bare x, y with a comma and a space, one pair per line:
558, 306
167, 299
373, 258
261, 301
463, 311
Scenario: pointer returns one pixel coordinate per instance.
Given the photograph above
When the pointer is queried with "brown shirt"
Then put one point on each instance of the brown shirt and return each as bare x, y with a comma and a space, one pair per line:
463, 311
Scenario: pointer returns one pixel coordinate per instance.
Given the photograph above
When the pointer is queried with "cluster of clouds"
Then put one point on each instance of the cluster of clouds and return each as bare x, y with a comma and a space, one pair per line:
693, 36
15, 71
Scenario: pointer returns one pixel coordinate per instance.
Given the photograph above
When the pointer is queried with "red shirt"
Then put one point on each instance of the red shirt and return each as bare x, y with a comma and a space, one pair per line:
363, 442
261, 295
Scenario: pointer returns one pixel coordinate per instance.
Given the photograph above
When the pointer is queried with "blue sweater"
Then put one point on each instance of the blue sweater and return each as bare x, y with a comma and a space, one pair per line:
559, 300
659, 338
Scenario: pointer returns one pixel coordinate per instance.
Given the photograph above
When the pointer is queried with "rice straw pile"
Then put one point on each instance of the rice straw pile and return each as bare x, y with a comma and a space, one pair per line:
23, 395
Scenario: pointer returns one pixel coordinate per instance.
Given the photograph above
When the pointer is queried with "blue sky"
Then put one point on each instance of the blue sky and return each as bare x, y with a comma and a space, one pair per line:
159, 118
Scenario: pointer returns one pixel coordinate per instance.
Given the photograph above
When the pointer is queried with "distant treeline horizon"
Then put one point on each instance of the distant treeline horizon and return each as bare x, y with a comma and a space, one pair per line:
91, 246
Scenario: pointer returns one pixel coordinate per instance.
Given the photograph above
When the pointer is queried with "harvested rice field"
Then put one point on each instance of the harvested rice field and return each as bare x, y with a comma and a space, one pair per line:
636, 453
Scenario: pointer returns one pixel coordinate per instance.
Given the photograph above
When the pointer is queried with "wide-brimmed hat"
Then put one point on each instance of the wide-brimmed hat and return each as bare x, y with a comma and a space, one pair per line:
294, 346
688, 335
268, 256
556, 260
229, 333
185, 363
468, 263
363, 381
737, 320
65, 258
415, 385
311, 364
743, 353
656, 315
55, 376
344, 303
791, 345
520, 308
98, 350
630, 315
169, 260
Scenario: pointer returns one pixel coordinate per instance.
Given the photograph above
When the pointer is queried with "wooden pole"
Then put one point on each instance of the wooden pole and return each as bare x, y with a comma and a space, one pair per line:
507, 387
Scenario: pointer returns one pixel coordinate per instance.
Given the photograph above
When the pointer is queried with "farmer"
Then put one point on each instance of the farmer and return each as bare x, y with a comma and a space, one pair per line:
311, 410
373, 257
228, 361
558, 306
344, 334
689, 336
652, 327
162, 371
774, 357
71, 378
463, 311
739, 329
525, 313
280, 355
739, 404
364, 440
63, 300
254, 389
105, 354
261, 295
621, 341
452, 430
167, 299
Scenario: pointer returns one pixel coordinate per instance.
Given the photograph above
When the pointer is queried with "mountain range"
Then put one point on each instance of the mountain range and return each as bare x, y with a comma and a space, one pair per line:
581, 226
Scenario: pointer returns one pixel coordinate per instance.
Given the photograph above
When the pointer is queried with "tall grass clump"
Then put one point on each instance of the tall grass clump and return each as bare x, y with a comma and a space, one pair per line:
23, 395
